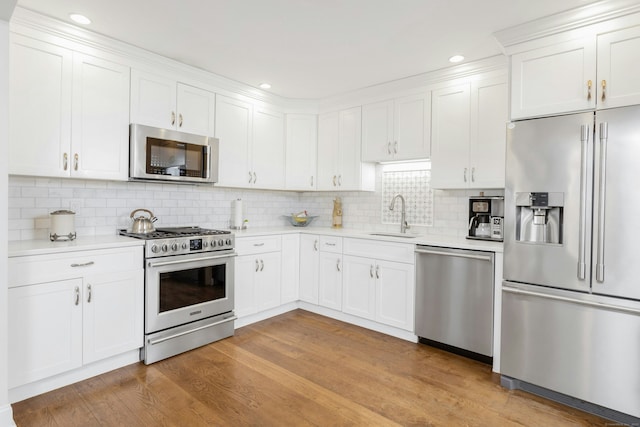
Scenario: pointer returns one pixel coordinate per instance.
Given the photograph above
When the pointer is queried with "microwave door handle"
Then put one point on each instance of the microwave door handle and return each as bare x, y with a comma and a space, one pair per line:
208, 154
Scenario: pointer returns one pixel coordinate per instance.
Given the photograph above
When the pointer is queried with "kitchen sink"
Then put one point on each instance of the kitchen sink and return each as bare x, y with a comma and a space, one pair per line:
406, 236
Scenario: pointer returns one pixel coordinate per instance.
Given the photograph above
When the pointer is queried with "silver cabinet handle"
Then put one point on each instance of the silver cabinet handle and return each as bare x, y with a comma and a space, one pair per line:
77, 294
315, 245
389, 147
395, 147
250, 177
89, 293
459, 255
75, 161
338, 265
371, 271
180, 120
582, 237
261, 265
311, 180
330, 244
84, 264
473, 174
173, 118
604, 136
258, 244
257, 265
465, 174
255, 178
377, 271
339, 180
65, 161
334, 180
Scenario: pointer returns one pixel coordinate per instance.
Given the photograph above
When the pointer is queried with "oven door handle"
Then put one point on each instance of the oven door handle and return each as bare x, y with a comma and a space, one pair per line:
184, 261
190, 331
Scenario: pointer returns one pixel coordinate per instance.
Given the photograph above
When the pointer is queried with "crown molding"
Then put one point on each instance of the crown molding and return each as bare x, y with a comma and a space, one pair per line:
573, 19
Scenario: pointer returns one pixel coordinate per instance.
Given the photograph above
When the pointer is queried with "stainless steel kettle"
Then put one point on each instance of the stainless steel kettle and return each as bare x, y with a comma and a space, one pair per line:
141, 224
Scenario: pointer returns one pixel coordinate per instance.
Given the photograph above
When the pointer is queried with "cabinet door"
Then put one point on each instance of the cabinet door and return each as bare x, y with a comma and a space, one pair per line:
290, 268
488, 133
268, 280
349, 153
196, 110
267, 149
618, 84
309, 268
412, 127
328, 149
40, 104
100, 122
153, 100
450, 137
377, 132
45, 330
358, 289
301, 151
245, 269
554, 79
395, 298
233, 128
330, 280
113, 314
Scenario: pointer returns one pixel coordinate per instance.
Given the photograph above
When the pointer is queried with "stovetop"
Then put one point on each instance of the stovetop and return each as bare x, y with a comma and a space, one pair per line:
170, 241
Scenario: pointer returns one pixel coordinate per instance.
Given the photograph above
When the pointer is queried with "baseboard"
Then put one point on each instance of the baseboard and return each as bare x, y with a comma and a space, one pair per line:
6, 416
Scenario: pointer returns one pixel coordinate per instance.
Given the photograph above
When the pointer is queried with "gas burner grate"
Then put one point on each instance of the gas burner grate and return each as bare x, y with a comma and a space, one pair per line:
170, 232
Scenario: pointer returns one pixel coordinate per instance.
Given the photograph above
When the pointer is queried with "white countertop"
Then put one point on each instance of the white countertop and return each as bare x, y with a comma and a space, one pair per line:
38, 247
420, 239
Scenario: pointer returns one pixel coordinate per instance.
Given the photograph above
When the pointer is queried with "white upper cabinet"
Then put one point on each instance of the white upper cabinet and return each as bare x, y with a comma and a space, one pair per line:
469, 135
68, 113
339, 153
251, 145
618, 58
597, 71
397, 130
165, 103
301, 151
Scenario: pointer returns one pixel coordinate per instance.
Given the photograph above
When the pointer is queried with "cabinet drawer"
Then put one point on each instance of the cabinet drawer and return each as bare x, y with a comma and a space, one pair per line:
27, 270
379, 249
257, 245
331, 244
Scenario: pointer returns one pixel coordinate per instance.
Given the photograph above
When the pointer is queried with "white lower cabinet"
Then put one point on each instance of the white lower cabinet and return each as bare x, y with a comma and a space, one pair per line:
309, 268
257, 274
290, 268
92, 309
330, 280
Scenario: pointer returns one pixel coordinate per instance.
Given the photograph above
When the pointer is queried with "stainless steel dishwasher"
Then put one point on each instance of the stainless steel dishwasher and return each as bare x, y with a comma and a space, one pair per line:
454, 300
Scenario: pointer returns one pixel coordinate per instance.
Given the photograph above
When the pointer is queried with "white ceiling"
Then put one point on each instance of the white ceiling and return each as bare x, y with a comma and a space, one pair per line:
308, 48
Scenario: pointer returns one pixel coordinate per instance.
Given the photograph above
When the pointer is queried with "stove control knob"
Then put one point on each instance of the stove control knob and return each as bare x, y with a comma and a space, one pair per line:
165, 248
174, 247
205, 244
220, 242
228, 242
155, 249
213, 243
184, 245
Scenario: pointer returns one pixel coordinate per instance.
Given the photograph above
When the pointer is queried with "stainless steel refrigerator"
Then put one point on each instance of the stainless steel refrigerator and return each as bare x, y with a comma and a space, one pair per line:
571, 290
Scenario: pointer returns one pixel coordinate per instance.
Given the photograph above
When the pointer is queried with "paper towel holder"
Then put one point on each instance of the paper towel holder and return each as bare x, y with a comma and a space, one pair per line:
238, 222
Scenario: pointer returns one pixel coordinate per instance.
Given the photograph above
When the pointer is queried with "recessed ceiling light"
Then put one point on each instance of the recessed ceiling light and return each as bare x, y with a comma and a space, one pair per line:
456, 58
265, 86
80, 19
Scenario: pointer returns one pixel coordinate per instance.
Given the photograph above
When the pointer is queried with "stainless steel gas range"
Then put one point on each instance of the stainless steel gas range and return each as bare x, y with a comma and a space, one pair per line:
189, 289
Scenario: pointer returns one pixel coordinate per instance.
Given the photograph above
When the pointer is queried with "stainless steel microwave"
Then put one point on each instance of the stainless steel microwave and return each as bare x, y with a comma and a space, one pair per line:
167, 155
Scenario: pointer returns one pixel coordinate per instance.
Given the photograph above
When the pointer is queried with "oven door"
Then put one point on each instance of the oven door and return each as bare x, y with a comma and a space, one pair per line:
185, 288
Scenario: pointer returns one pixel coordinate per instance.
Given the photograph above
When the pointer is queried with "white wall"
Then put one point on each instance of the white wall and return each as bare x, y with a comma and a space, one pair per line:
6, 418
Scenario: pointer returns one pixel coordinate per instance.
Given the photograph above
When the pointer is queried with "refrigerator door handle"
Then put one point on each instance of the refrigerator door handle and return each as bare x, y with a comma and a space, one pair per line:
584, 138
604, 136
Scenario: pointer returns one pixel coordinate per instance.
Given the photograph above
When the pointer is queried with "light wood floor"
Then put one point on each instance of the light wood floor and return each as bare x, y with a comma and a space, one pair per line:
299, 369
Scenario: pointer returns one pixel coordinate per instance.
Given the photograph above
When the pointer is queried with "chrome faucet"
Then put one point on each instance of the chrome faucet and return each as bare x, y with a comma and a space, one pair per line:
403, 221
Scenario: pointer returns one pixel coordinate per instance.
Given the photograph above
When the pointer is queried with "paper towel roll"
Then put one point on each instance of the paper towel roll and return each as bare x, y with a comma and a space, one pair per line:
238, 217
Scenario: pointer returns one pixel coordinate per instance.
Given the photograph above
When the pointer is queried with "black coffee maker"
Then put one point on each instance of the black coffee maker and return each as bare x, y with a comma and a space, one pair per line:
486, 216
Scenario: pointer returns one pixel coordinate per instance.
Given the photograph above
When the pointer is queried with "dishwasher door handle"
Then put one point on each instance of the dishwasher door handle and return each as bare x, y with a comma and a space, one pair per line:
460, 255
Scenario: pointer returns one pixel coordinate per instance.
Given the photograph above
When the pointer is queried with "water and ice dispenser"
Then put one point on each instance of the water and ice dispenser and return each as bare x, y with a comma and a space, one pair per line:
539, 217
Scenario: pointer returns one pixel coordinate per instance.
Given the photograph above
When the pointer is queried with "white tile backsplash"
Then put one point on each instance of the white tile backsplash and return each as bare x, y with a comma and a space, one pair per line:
102, 207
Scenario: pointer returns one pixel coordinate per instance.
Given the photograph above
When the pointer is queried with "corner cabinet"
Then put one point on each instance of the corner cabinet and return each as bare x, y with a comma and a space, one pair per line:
72, 309
339, 153
69, 113
469, 135
166, 103
398, 129
591, 72
251, 145
301, 151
